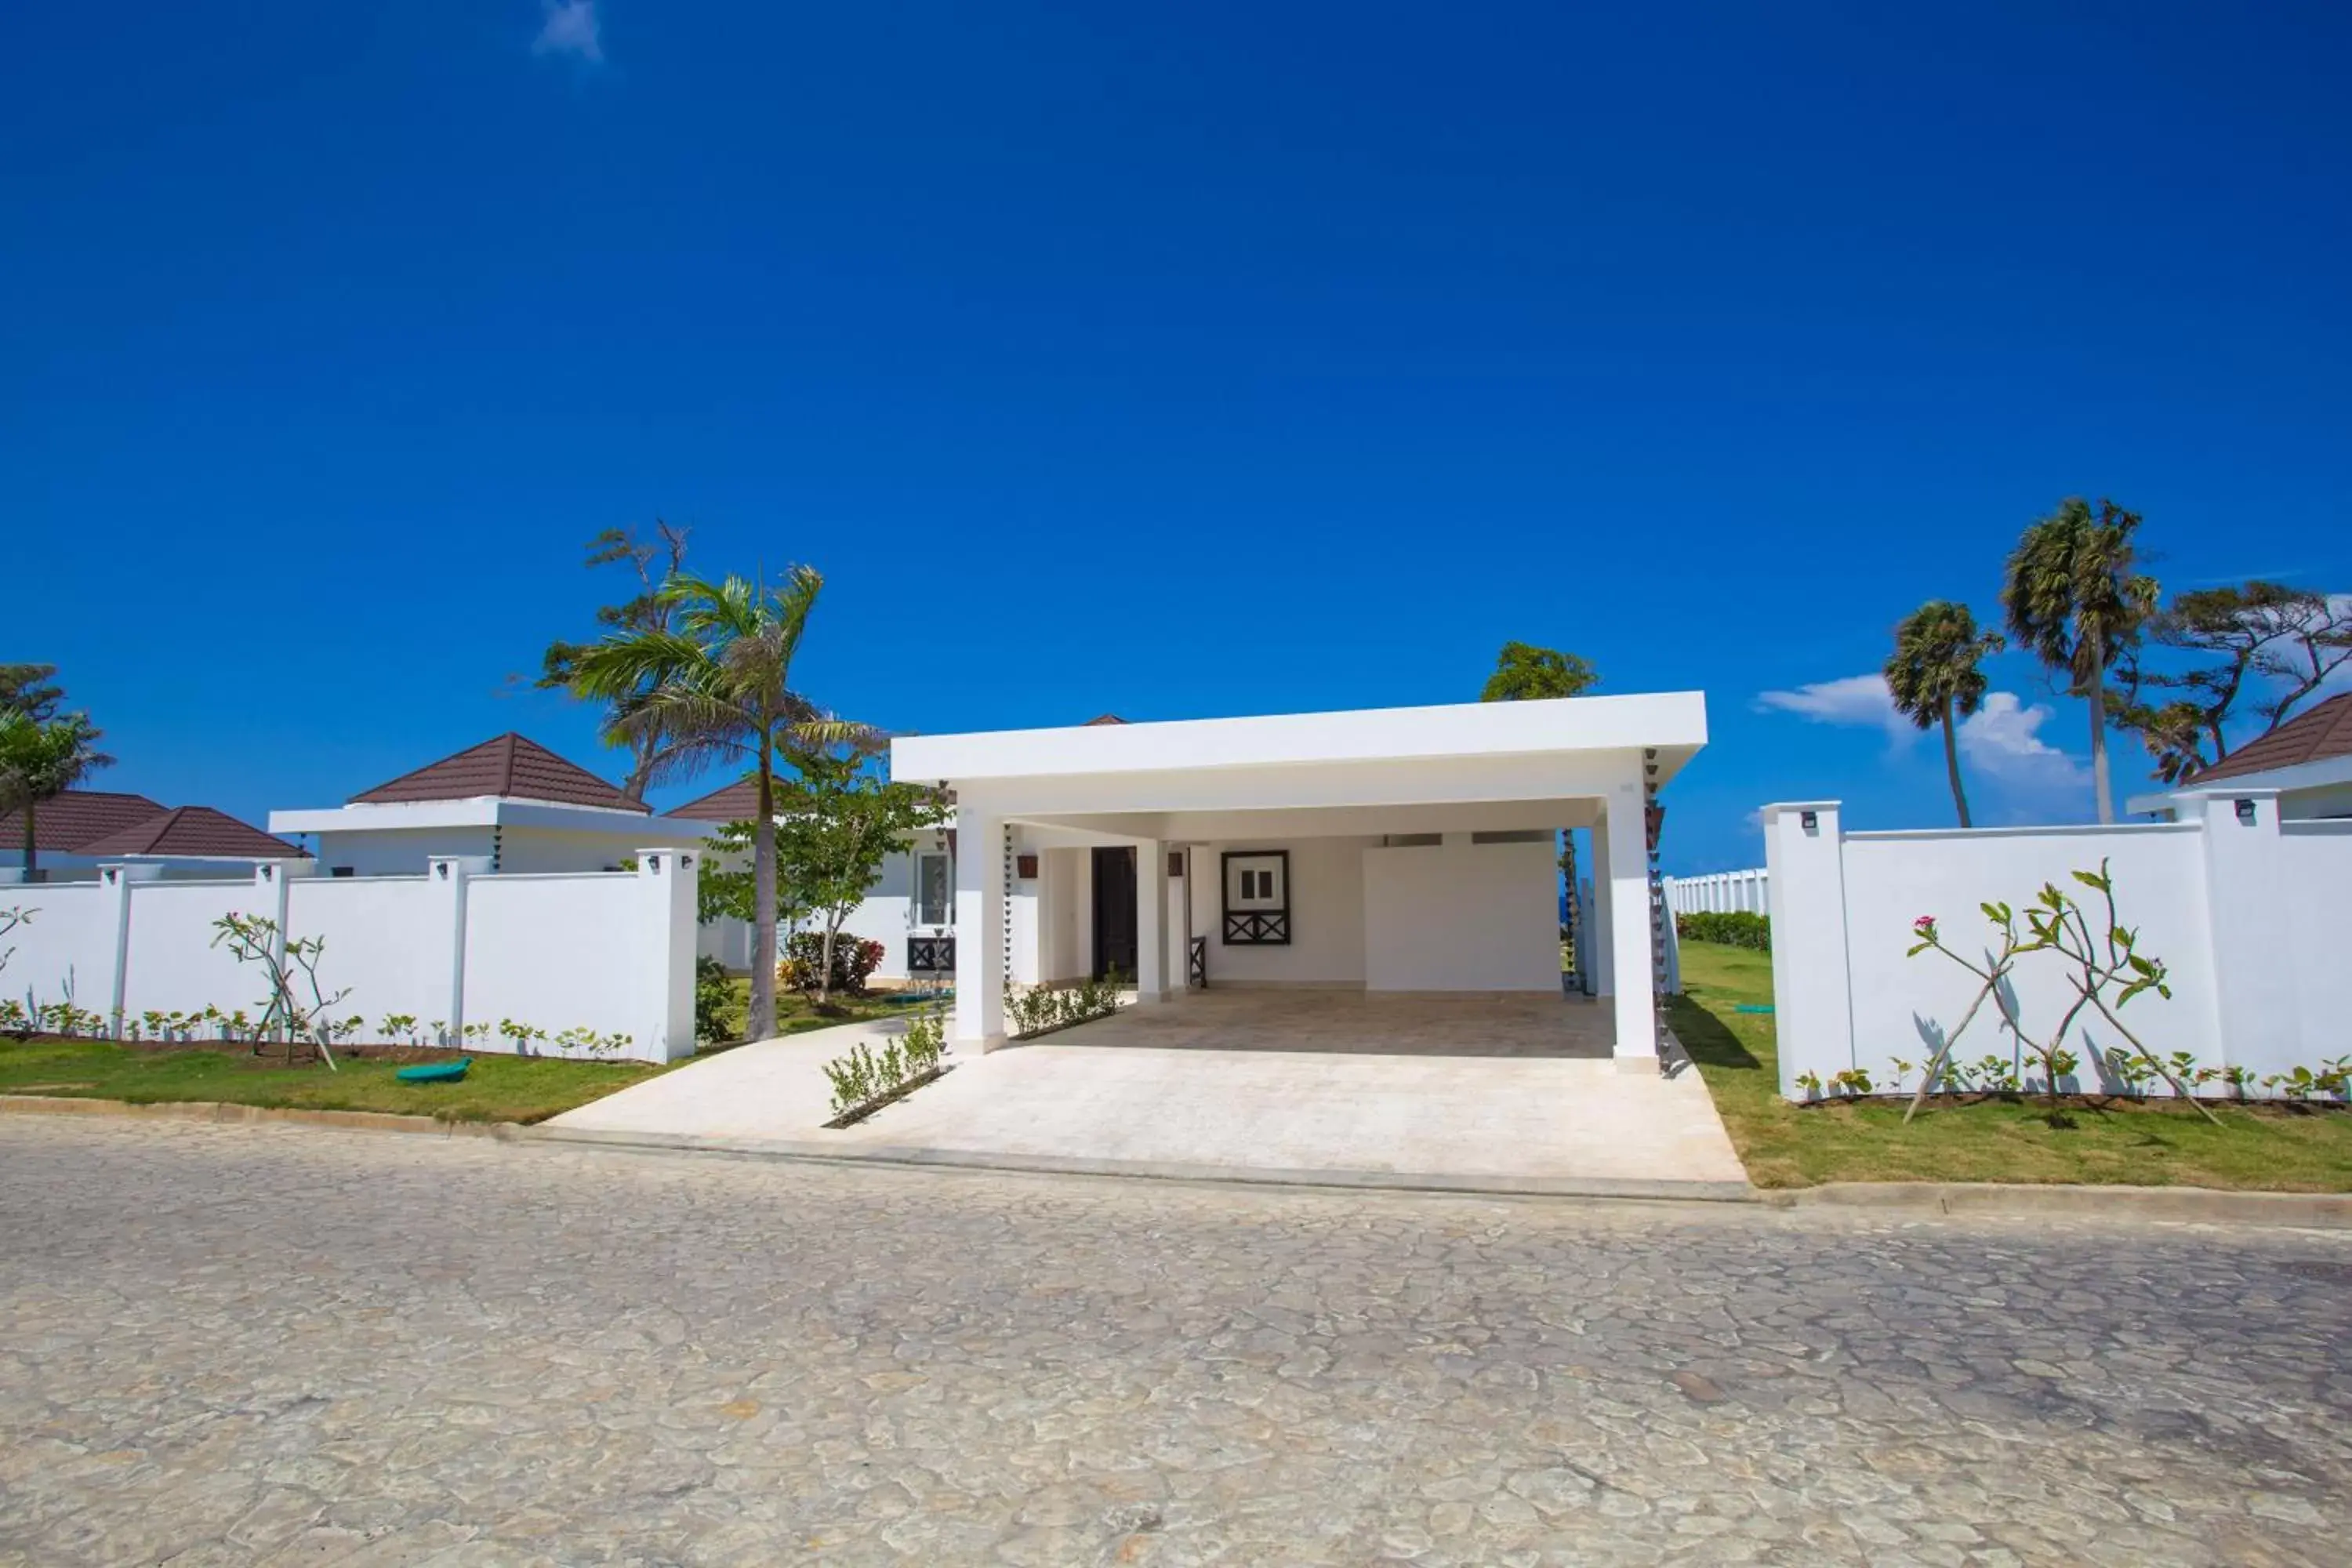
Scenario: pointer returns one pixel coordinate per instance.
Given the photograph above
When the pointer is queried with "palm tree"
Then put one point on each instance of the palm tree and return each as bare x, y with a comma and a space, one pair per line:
716, 685
1933, 675
2075, 601
39, 761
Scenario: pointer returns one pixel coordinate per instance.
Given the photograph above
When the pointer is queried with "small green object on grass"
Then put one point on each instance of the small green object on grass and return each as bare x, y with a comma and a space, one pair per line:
1750, 1008
435, 1072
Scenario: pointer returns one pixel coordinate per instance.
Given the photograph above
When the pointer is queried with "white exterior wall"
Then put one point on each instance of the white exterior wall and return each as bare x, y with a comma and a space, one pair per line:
171, 965
2316, 892
1460, 916
1327, 915
394, 852
2246, 916
66, 950
379, 943
611, 953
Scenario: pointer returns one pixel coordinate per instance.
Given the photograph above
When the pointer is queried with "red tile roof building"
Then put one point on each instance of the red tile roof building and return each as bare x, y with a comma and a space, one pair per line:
510, 767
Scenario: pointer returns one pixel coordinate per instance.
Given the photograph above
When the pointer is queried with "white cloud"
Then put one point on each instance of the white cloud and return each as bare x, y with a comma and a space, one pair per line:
570, 27
2002, 741
1860, 701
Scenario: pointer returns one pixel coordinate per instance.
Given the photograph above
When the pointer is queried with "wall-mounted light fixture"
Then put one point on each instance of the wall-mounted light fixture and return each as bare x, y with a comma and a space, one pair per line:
2246, 812
1807, 820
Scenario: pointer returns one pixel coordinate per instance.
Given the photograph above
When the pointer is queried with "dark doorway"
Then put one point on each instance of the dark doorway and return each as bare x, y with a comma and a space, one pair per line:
1115, 912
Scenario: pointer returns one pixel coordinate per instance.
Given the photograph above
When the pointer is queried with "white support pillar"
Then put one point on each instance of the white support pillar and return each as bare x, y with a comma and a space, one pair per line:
107, 987
980, 929
446, 875
669, 879
1150, 921
1630, 969
1601, 947
2256, 1018
1812, 991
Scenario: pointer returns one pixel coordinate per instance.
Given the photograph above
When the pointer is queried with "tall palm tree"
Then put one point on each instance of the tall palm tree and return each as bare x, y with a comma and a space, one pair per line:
716, 685
1934, 676
39, 761
2076, 601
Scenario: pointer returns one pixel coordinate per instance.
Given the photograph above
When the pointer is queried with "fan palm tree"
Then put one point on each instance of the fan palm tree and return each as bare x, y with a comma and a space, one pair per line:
1934, 676
2074, 600
39, 761
716, 685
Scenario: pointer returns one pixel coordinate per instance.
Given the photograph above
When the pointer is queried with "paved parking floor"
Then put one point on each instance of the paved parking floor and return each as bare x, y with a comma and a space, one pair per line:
1503, 1089
279, 1345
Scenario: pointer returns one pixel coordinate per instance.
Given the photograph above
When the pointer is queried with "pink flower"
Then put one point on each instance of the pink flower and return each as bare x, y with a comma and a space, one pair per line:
1926, 926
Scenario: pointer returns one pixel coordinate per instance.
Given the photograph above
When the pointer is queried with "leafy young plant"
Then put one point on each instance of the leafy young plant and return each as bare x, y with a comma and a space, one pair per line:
2055, 923
255, 938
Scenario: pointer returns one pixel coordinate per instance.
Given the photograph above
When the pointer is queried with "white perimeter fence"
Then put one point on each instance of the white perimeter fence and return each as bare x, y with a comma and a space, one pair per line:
1721, 893
2247, 913
607, 951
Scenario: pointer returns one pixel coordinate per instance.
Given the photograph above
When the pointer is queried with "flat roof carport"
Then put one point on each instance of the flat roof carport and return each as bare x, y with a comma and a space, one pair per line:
1576, 762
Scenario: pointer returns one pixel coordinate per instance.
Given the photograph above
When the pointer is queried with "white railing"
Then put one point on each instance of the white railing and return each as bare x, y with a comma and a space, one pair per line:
1721, 892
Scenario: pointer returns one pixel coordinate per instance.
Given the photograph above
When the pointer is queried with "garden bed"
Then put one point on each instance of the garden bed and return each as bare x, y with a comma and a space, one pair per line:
2275, 1146
858, 1113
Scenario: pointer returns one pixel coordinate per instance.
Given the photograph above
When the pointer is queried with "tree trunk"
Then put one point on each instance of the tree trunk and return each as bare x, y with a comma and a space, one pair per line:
825, 974
31, 861
2098, 696
1952, 764
762, 1020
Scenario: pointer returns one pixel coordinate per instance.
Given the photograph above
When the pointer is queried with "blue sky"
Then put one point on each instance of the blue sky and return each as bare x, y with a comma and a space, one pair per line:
1174, 362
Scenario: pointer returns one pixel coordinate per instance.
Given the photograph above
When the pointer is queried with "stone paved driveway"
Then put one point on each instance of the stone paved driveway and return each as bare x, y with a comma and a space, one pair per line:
234, 1345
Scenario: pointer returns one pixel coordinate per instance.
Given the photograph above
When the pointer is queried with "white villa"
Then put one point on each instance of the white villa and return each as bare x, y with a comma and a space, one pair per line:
1397, 850
2307, 760
509, 805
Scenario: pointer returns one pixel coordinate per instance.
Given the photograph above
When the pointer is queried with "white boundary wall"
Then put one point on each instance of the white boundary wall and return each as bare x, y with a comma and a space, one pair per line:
611, 952
1721, 893
2246, 913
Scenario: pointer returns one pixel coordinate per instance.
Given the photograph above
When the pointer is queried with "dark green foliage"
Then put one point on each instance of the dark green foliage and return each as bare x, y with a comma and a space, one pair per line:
1732, 928
714, 1002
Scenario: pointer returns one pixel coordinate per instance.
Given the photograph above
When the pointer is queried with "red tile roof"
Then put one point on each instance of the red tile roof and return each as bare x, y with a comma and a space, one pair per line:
196, 832
2312, 736
510, 765
76, 819
738, 801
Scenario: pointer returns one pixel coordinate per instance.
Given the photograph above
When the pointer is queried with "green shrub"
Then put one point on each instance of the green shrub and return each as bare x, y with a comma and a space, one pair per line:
855, 960
1731, 928
714, 1002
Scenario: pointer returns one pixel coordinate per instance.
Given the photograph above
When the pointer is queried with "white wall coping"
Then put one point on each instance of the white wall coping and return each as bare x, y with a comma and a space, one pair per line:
490, 811
2316, 827
2028, 830
1675, 722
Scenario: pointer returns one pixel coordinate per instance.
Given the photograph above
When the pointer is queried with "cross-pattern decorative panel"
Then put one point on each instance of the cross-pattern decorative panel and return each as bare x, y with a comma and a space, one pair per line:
1257, 928
930, 955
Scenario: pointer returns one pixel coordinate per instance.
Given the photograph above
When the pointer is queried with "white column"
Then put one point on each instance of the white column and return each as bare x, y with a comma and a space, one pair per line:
1813, 996
2257, 1021
662, 1022
1630, 967
107, 987
447, 876
1600, 944
979, 928
1151, 920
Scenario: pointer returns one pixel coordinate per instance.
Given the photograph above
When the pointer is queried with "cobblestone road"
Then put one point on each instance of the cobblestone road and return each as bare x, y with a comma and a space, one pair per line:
249, 1344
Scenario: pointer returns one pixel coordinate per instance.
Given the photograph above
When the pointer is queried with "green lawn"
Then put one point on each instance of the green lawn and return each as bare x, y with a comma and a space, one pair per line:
795, 1013
2282, 1150
495, 1089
